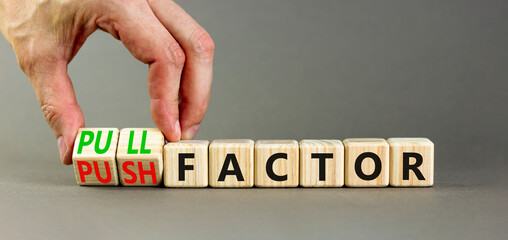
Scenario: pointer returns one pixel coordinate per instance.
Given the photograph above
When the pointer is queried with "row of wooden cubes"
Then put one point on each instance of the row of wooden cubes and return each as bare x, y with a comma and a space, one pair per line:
141, 157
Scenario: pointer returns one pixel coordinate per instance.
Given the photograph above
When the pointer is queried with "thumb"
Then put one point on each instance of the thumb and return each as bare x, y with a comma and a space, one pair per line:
56, 96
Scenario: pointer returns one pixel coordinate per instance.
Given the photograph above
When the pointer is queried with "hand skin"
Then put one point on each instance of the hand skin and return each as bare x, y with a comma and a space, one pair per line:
47, 34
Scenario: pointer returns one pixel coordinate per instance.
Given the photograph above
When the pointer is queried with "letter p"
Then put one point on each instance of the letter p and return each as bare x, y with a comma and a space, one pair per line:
82, 172
83, 142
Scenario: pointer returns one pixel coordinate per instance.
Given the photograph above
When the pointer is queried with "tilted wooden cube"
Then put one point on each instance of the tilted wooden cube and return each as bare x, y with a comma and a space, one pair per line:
186, 163
231, 163
411, 162
276, 163
321, 163
94, 155
366, 162
139, 156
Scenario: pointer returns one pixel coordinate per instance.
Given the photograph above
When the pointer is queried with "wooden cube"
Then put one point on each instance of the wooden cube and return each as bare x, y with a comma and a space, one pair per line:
139, 156
186, 163
321, 163
366, 162
411, 162
231, 163
276, 163
94, 155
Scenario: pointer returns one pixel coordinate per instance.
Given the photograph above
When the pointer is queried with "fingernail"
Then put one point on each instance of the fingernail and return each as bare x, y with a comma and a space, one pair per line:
177, 129
61, 147
191, 132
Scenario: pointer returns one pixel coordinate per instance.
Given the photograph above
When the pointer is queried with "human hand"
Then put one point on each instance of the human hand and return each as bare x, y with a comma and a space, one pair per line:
47, 34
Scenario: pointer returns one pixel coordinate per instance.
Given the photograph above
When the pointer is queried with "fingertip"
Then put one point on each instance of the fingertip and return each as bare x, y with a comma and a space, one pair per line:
165, 116
65, 147
173, 134
62, 149
67, 159
177, 131
192, 114
70, 121
190, 133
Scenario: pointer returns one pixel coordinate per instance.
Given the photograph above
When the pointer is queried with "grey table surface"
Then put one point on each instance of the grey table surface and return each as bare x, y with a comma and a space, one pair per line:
290, 70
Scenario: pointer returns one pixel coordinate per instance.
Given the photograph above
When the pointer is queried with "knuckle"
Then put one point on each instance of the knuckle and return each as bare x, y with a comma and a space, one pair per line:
56, 113
203, 45
50, 112
176, 55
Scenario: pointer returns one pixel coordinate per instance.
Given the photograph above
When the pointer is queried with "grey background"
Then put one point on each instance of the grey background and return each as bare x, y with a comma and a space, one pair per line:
287, 69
